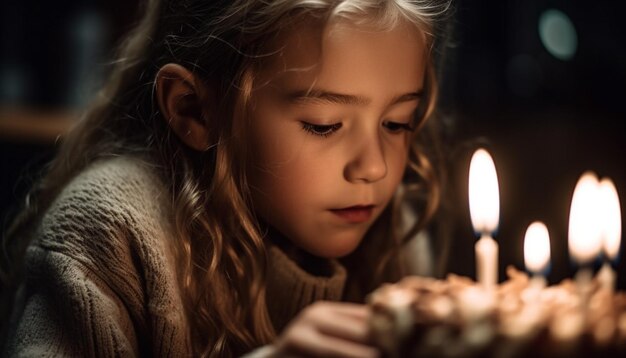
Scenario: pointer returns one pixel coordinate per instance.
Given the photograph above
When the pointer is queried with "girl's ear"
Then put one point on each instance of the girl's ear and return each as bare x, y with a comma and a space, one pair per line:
184, 100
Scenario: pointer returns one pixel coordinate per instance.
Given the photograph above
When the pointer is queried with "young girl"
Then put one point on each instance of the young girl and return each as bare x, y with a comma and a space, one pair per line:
243, 167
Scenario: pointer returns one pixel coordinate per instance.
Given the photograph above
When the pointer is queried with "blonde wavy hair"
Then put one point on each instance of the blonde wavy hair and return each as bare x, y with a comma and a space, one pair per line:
219, 246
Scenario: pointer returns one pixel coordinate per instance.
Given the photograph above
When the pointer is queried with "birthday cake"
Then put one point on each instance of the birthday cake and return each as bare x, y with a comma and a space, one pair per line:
456, 317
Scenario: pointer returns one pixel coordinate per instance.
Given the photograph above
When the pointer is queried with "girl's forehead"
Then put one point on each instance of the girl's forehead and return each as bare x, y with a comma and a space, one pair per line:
298, 46
311, 48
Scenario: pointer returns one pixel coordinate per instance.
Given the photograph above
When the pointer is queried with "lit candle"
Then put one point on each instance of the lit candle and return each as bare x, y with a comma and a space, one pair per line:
584, 234
484, 210
584, 218
611, 231
537, 252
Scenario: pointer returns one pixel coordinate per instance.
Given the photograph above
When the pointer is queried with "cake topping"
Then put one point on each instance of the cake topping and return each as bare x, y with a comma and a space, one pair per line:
459, 315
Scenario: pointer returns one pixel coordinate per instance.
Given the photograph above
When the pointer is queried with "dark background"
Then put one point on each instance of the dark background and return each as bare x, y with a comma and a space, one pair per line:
545, 119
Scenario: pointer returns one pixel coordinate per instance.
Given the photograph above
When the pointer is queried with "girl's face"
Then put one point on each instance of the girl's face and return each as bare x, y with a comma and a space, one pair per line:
329, 130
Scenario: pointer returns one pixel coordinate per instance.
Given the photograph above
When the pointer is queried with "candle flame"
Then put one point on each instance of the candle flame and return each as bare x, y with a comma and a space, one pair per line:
537, 247
585, 240
484, 195
612, 218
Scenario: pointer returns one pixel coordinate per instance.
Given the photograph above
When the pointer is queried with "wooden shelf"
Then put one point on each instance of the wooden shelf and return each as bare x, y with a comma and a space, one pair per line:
27, 125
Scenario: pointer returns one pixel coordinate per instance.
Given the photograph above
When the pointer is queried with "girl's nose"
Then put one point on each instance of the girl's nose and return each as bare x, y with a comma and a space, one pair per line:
367, 164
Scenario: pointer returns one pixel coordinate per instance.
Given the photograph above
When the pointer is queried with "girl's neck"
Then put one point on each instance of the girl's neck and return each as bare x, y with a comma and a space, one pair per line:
312, 264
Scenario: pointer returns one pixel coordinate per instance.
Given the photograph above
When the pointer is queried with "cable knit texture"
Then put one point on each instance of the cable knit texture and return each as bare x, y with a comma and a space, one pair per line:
100, 277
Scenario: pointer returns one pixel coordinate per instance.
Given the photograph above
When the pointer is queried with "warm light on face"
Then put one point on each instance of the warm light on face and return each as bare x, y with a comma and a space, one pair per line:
484, 195
537, 247
342, 144
584, 234
611, 217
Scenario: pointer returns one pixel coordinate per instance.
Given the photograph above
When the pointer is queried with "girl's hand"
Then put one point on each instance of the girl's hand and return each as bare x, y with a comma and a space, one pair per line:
328, 329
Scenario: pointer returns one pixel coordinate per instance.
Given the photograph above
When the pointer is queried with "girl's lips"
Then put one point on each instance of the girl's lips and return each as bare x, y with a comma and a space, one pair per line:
355, 214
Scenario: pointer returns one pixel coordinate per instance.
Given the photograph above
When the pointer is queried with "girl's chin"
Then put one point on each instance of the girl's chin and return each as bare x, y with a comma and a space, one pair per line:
326, 245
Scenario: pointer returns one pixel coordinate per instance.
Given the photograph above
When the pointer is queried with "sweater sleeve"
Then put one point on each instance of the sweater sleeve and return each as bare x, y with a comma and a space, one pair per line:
68, 311
99, 275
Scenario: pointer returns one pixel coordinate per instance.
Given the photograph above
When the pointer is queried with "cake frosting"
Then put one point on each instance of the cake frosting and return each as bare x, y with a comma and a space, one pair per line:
456, 317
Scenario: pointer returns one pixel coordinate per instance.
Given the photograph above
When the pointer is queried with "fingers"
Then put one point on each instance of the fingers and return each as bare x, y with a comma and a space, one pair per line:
308, 341
327, 329
343, 348
352, 310
342, 326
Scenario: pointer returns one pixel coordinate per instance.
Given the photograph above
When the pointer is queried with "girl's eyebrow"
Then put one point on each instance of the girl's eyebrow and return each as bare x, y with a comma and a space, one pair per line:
318, 96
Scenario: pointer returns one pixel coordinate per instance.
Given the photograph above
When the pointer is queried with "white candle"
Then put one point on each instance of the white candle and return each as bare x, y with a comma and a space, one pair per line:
537, 252
584, 233
611, 231
487, 261
484, 199
606, 277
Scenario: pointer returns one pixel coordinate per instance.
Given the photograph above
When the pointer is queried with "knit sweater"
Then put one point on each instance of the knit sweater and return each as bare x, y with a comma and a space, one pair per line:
100, 275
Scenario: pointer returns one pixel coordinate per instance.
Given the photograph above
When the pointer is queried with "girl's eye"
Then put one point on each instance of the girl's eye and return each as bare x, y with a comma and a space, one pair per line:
320, 130
395, 127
